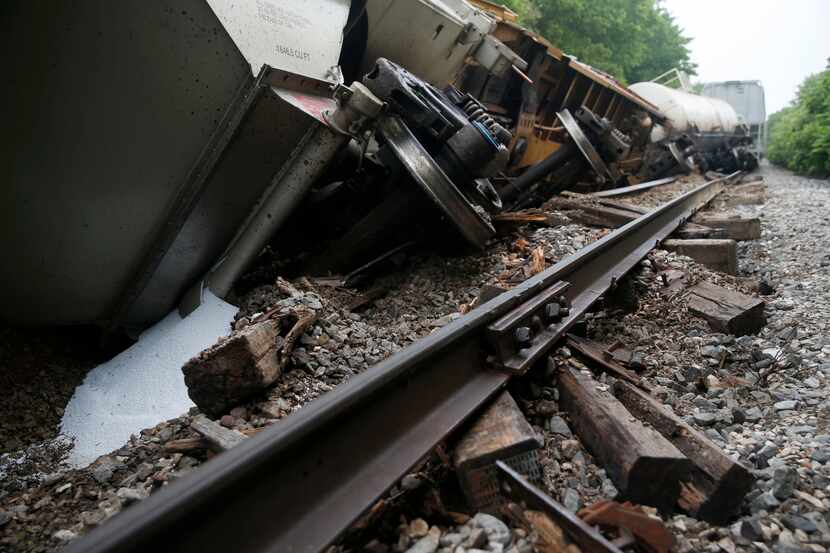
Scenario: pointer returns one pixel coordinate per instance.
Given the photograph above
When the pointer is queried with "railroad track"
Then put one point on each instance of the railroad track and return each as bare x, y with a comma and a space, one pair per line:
297, 486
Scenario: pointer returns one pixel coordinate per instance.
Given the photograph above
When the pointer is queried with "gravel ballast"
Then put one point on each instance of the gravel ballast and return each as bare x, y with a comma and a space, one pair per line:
762, 398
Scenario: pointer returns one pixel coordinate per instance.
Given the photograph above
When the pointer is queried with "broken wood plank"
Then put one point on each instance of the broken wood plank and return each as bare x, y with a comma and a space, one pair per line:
520, 217
234, 369
217, 435
243, 364
592, 213
649, 531
595, 353
304, 319
248, 432
719, 255
722, 482
635, 210
725, 310
185, 445
485, 294
331, 282
530, 216
734, 227
589, 199
644, 466
501, 432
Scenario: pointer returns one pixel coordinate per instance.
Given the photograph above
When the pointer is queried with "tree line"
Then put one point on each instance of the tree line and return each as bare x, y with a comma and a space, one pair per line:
633, 40
799, 135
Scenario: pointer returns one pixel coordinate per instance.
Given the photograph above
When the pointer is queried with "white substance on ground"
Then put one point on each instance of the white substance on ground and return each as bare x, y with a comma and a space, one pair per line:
144, 384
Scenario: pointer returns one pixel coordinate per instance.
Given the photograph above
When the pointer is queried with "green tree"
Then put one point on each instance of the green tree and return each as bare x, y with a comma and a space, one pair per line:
528, 13
633, 40
665, 46
800, 134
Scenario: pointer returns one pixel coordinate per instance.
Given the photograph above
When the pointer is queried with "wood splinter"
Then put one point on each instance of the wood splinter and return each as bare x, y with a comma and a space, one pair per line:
625, 516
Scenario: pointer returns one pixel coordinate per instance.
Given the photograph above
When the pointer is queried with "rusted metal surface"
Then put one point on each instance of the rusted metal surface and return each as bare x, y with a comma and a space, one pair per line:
298, 485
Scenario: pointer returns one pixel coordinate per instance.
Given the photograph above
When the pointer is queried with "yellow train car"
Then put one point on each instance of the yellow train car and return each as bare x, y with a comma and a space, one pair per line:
529, 101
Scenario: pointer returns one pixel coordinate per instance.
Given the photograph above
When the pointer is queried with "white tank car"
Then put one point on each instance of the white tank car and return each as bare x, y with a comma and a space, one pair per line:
698, 131
687, 113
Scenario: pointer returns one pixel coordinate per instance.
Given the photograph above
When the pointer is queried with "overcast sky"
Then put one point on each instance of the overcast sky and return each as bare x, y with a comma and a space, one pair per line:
776, 42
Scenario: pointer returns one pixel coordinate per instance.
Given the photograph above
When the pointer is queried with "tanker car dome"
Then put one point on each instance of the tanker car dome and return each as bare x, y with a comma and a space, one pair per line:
687, 113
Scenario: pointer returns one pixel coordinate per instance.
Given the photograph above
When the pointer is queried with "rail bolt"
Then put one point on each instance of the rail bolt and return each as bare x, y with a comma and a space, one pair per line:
523, 336
552, 312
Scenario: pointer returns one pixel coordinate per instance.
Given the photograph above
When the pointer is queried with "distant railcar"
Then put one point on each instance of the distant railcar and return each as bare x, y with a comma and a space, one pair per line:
708, 130
747, 99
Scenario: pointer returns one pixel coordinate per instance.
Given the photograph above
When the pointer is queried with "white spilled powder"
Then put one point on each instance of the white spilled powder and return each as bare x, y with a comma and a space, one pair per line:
144, 384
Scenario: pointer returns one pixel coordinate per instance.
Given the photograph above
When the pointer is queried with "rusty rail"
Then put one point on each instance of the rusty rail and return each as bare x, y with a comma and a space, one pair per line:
297, 486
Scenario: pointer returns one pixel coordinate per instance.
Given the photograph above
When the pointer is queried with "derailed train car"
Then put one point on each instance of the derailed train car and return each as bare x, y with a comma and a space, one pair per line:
169, 145
569, 121
181, 142
747, 98
698, 131
611, 139
137, 155
668, 130
554, 81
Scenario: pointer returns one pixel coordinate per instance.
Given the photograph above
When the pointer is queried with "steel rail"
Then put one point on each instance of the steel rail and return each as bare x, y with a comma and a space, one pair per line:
297, 486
